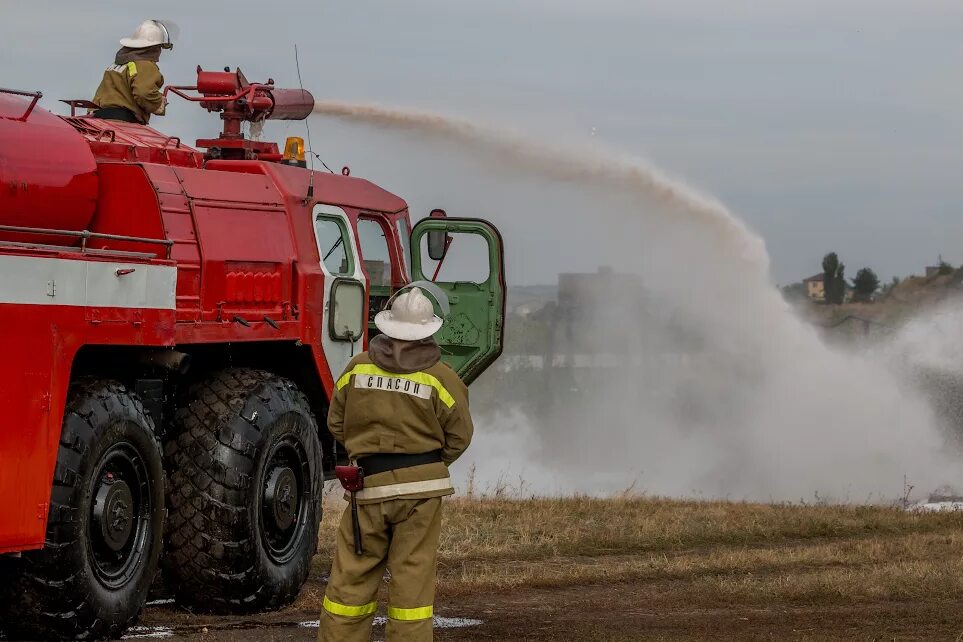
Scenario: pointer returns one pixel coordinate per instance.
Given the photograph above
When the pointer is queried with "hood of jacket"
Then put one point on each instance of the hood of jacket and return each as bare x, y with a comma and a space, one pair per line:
126, 54
403, 357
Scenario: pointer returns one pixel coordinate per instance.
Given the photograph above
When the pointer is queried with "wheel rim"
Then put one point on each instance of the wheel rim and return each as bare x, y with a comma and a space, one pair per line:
120, 515
285, 496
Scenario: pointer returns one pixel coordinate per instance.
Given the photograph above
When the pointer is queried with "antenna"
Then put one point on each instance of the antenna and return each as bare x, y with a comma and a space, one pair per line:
307, 126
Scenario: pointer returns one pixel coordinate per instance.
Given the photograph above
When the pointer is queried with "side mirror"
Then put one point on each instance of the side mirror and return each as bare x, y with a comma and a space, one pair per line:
438, 239
437, 244
347, 310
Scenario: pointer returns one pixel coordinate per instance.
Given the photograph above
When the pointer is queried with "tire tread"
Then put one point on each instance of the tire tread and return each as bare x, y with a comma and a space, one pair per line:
211, 544
43, 595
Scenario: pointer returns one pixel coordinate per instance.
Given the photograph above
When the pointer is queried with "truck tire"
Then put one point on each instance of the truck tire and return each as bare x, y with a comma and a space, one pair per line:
105, 526
244, 493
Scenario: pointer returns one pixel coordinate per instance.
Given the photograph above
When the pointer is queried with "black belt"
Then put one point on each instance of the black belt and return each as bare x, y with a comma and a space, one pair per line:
374, 464
116, 113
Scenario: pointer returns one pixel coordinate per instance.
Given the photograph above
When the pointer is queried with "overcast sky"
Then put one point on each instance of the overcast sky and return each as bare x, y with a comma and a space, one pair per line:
825, 125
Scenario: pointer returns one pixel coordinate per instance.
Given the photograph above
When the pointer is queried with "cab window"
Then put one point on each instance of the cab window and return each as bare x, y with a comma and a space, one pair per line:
374, 253
467, 262
333, 245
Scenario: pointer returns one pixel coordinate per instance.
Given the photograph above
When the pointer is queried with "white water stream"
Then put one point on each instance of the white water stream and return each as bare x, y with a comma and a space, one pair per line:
735, 396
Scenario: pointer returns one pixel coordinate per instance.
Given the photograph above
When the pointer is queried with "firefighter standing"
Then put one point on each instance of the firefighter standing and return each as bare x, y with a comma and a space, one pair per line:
403, 417
131, 88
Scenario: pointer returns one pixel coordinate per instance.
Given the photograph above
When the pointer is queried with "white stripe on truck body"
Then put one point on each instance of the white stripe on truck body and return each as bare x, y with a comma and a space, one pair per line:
35, 280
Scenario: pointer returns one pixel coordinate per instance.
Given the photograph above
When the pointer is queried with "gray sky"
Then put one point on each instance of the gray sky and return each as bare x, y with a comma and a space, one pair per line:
825, 125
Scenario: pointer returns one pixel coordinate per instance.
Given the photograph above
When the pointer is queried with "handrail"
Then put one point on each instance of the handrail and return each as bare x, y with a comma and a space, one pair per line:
78, 102
86, 235
61, 248
249, 91
16, 92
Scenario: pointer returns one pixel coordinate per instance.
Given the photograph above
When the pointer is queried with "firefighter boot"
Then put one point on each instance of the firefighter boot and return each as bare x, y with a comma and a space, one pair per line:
402, 534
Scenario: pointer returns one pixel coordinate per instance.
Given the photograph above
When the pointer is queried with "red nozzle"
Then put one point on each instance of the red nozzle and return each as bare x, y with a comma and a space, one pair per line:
238, 100
291, 104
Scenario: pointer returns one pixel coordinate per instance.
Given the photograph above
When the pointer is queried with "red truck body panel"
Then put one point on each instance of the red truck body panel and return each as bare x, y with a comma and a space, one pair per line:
169, 250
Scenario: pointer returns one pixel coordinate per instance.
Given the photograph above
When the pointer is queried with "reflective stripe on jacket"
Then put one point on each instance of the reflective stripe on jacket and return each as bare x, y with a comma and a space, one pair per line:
135, 86
376, 411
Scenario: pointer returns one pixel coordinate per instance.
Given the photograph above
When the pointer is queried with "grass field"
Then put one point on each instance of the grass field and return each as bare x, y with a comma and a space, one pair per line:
821, 571
632, 568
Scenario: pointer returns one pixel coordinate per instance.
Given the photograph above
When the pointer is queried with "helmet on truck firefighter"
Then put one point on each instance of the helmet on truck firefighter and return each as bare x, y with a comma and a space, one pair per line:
411, 317
149, 33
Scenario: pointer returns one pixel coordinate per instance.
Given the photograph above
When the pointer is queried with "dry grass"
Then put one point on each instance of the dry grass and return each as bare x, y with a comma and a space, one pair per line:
707, 553
630, 568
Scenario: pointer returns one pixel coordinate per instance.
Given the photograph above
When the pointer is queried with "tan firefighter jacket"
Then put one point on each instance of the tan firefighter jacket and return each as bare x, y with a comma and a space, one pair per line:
135, 85
399, 398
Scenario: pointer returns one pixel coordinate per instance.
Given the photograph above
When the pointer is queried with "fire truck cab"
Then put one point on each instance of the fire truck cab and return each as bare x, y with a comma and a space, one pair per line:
172, 322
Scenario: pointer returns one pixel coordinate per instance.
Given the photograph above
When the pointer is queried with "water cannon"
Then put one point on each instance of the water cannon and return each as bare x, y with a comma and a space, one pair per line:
240, 101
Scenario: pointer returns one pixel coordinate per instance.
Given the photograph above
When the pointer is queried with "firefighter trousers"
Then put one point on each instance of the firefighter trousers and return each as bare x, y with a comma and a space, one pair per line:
401, 534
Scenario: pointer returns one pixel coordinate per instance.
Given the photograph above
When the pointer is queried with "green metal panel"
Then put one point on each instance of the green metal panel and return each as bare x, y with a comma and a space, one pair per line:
472, 336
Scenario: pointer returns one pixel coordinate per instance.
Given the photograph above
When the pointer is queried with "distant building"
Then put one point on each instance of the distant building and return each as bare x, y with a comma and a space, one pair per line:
595, 312
587, 291
815, 287
378, 272
941, 267
937, 270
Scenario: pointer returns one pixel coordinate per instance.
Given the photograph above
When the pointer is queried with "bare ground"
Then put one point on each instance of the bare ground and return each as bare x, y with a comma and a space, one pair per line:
622, 611
636, 568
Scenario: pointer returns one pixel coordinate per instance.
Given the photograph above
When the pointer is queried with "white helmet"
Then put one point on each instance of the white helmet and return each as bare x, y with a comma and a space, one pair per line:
411, 317
149, 33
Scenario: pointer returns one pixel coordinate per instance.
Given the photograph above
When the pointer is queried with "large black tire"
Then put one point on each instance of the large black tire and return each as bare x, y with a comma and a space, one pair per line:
244, 493
105, 525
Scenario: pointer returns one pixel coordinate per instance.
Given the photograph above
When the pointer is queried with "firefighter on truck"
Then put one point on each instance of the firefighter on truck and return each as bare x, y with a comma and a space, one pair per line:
130, 90
403, 417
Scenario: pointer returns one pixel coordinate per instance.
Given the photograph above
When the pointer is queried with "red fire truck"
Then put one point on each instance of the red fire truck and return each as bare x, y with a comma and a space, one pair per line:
172, 320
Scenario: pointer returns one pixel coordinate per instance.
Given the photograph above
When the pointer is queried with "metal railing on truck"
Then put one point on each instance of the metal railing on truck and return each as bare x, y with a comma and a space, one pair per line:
84, 236
35, 95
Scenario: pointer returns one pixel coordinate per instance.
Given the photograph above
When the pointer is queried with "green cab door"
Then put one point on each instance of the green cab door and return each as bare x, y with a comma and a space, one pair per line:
472, 336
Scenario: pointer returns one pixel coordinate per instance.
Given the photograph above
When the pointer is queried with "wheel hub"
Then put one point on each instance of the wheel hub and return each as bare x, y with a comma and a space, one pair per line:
120, 515
285, 499
114, 513
281, 497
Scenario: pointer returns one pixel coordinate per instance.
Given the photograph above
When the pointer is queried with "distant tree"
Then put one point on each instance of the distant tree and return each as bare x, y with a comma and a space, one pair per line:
945, 268
529, 335
865, 285
834, 281
887, 287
